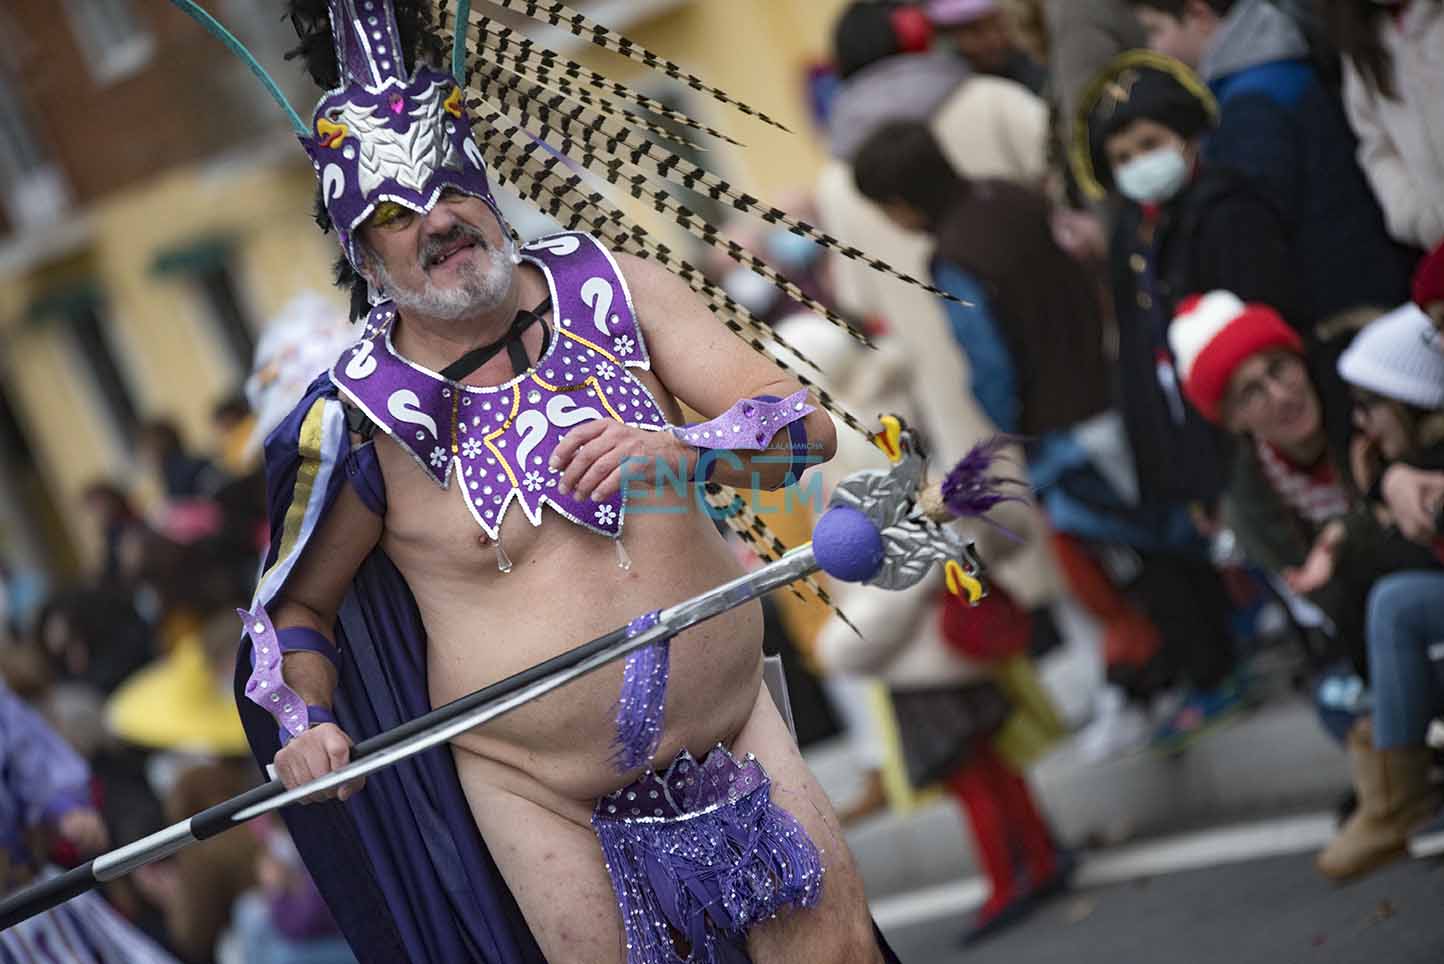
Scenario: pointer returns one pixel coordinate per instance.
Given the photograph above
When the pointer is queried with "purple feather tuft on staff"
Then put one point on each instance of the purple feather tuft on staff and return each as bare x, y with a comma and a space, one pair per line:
970, 489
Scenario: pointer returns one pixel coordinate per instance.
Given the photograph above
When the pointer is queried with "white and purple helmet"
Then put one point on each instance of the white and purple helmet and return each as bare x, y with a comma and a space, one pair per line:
383, 136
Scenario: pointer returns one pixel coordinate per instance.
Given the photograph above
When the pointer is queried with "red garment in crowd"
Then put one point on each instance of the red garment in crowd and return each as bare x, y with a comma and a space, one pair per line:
993, 630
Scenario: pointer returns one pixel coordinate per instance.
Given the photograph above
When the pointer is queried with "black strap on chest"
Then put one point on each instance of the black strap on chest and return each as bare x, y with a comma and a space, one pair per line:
511, 341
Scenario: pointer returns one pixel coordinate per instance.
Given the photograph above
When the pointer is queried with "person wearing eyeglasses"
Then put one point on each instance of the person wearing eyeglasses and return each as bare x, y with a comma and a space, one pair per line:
1295, 513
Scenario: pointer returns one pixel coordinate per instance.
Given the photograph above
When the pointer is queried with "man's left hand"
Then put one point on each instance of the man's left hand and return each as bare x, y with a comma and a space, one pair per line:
594, 456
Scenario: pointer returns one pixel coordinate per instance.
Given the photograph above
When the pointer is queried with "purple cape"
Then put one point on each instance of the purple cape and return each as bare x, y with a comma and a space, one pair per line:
401, 865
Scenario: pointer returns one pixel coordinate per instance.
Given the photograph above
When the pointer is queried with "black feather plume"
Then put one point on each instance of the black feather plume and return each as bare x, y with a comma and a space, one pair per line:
317, 50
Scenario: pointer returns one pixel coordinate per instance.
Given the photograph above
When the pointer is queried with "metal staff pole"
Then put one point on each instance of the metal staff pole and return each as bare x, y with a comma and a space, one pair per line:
416, 736
874, 532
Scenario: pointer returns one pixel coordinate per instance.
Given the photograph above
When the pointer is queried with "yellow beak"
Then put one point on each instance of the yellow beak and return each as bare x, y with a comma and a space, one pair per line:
329, 134
452, 104
890, 438
962, 583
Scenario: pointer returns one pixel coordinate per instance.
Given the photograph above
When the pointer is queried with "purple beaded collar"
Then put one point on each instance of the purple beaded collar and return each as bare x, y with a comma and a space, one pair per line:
499, 439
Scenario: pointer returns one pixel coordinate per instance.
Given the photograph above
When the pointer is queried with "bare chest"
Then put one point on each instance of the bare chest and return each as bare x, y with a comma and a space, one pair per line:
565, 587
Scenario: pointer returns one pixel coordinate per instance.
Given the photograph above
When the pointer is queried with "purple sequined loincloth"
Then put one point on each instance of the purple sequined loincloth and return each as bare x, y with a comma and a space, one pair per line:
699, 854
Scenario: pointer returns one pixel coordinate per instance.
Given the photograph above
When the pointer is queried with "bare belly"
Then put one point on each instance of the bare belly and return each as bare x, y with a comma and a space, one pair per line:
566, 588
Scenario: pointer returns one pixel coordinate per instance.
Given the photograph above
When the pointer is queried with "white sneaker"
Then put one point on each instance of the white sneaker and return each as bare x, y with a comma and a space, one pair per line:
1428, 840
1116, 730
1435, 736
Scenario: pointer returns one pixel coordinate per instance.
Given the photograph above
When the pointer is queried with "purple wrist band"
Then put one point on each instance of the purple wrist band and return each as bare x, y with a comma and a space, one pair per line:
749, 425
796, 443
267, 686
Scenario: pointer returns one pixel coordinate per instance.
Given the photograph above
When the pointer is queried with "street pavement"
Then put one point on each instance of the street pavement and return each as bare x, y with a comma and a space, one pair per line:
1203, 858
1275, 910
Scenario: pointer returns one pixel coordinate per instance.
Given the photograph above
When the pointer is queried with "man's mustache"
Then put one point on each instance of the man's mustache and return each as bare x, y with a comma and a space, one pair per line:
437, 244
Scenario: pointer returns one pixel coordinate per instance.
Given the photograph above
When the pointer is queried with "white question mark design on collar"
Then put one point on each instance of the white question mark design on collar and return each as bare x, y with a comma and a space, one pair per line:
362, 365
597, 294
404, 406
564, 413
532, 426
562, 246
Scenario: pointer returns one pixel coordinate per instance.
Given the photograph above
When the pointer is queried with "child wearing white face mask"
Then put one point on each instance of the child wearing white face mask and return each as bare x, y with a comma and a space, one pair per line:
1184, 227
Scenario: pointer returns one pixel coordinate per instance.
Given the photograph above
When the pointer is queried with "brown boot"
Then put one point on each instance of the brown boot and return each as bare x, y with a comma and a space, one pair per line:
1394, 796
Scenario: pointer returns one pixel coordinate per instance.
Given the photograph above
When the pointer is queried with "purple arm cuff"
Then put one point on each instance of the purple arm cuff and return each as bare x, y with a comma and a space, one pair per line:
267, 686
302, 639
750, 425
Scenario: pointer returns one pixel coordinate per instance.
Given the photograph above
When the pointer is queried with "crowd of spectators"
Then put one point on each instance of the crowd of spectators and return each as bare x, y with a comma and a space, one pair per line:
129, 716
1195, 248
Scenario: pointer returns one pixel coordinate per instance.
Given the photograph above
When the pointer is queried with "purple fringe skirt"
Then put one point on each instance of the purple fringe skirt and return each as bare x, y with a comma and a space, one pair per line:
698, 855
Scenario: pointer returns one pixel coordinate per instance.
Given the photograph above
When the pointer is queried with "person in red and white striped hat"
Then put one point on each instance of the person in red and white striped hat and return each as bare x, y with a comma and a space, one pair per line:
1241, 366
1288, 502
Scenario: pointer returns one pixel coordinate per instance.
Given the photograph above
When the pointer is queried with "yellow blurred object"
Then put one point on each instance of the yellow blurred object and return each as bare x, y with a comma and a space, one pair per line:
1035, 726
1030, 732
177, 703
901, 794
237, 456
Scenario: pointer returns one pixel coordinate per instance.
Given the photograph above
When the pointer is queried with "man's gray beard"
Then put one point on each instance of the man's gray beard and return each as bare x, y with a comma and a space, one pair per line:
481, 288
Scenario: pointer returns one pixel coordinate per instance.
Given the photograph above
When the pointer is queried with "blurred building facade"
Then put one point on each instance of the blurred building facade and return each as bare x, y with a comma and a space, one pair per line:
155, 210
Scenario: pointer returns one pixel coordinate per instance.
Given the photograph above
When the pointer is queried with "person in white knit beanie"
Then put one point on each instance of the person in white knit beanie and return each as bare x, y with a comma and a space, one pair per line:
1396, 370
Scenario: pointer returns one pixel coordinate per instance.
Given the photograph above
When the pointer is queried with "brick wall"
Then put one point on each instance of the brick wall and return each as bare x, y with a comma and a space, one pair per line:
191, 99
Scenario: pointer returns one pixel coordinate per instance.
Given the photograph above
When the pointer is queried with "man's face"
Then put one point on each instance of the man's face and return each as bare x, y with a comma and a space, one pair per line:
1183, 38
985, 42
452, 263
1271, 398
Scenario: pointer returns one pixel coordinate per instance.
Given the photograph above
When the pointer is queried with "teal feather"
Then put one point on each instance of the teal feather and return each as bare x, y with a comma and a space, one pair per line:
458, 46
200, 16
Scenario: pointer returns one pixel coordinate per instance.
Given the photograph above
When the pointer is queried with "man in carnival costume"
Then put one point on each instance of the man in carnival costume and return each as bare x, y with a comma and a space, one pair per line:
677, 822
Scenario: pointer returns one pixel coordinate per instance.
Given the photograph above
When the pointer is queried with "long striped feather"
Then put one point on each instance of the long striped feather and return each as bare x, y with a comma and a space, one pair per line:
715, 297
538, 180
522, 55
656, 159
560, 87
579, 25
604, 161
751, 529
542, 177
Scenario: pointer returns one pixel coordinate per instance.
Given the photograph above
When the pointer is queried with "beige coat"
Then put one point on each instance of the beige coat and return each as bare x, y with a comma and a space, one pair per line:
1401, 142
990, 128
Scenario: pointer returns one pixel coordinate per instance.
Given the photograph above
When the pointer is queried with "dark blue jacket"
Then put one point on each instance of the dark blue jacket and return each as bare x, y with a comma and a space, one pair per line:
1285, 130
